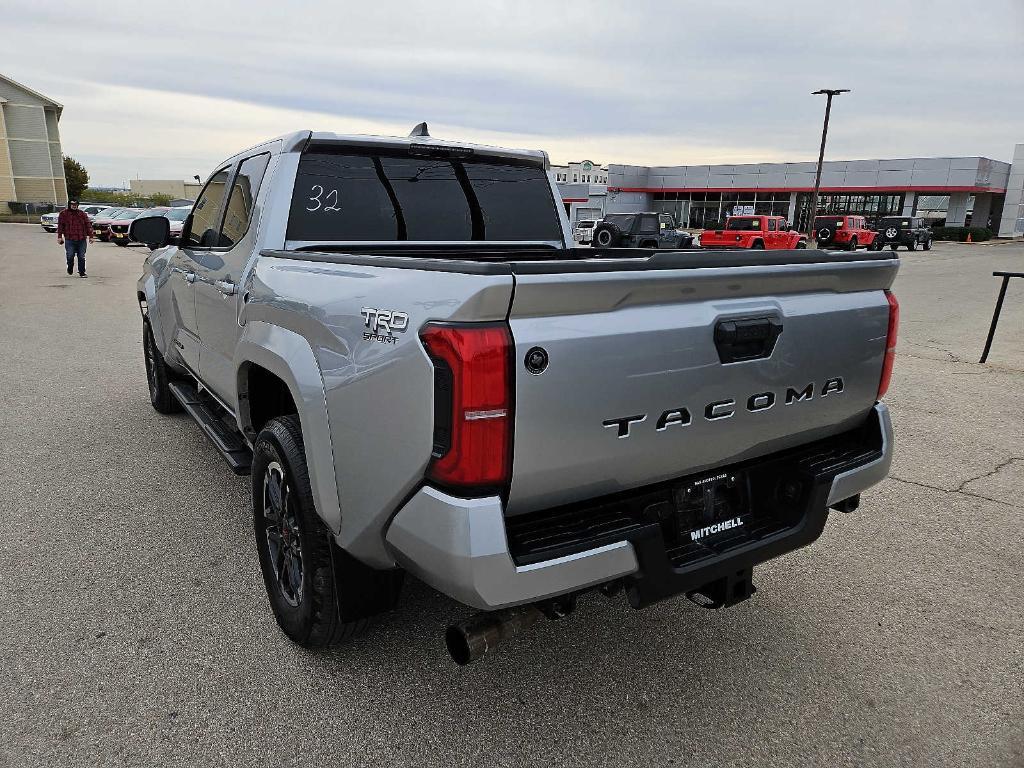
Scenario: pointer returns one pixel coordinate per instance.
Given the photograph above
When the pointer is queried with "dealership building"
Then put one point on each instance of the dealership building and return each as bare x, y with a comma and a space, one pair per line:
950, 191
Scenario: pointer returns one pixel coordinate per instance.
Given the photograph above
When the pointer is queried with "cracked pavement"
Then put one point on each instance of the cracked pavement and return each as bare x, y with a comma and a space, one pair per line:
136, 631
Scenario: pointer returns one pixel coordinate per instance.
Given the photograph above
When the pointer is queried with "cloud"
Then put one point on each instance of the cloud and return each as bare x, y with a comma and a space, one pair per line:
635, 82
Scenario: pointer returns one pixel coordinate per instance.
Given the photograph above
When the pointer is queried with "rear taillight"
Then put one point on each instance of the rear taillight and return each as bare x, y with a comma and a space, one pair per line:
472, 404
890, 344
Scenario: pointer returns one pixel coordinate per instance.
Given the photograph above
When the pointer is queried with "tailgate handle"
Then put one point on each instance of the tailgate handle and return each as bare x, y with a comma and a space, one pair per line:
748, 339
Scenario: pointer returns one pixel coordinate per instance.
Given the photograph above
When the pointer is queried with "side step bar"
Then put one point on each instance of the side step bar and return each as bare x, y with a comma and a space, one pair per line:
208, 416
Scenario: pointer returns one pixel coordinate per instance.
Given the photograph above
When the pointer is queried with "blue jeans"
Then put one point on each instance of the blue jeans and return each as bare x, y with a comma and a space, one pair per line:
76, 248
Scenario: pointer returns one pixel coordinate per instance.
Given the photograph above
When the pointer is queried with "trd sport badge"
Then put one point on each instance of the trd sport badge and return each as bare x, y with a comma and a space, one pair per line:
383, 324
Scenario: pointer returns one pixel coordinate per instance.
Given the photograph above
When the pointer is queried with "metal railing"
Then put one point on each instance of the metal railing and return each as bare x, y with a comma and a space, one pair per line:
999, 308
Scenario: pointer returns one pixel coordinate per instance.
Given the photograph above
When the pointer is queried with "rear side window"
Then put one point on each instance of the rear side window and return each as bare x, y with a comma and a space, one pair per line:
741, 223
387, 197
243, 195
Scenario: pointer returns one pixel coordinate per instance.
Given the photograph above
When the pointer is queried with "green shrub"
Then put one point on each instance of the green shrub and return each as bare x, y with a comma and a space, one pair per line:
959, 234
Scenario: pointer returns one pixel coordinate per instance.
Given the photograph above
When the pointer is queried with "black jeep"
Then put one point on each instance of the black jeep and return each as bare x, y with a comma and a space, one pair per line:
894, 231
639, 230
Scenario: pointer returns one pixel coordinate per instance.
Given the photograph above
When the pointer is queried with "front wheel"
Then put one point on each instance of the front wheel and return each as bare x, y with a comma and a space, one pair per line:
758, 246
853, 244
310, 581
801, 244
157, 374
927, 245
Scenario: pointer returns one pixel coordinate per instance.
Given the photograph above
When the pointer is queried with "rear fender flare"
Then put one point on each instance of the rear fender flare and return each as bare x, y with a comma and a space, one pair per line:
289, 356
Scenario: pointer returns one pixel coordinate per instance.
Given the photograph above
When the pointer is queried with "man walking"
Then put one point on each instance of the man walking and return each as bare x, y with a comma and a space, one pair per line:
73, 226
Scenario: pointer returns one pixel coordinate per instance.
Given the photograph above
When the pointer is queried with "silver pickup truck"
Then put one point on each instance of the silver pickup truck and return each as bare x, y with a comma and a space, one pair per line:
397, 339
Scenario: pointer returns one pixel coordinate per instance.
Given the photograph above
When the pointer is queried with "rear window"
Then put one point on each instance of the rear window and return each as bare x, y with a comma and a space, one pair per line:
389, 197
834, 222
743, 222
895, 222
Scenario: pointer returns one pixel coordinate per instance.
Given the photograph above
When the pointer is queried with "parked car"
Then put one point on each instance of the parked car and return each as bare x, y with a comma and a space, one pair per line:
177, 218
584, 231
639, 230
507, 418
910, 231
93, 210
758, 232
845, 232
120, 220
49, 221
101, 223
119, 226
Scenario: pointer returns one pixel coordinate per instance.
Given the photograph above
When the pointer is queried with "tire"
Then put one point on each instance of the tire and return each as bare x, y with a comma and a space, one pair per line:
301, 564
853, 244
893, 246
927, 244
758, 245
122, 243
801, 244
157, 374
912, 245
606, 236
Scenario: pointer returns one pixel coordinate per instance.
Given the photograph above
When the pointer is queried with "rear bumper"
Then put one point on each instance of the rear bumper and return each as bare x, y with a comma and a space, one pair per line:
462, 546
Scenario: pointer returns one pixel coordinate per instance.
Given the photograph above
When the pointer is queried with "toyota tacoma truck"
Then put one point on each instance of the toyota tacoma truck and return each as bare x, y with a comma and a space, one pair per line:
754, 232
397, 339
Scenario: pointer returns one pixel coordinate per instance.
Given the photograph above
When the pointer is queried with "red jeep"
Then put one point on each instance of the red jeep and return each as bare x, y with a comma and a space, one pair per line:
846, 232
769, 232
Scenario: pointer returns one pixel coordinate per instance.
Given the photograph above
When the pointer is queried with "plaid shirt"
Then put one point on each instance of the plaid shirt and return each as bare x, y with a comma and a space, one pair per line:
74, 225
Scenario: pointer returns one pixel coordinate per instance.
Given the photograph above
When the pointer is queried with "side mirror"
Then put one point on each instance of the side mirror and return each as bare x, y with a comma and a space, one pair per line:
154, 231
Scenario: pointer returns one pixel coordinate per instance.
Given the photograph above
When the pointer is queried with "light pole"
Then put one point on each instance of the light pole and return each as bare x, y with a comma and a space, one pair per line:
829, 93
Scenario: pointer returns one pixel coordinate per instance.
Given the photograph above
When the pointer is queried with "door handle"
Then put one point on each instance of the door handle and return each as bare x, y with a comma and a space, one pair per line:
226, 287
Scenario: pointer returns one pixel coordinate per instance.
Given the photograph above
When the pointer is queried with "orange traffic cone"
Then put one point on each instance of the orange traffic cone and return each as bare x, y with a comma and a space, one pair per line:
969, 238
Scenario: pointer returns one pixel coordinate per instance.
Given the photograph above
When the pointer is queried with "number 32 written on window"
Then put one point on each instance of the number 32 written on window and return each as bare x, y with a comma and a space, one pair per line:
327, 205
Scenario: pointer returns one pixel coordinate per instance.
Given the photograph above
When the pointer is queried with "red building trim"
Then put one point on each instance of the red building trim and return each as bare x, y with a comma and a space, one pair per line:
576, 199
827, 190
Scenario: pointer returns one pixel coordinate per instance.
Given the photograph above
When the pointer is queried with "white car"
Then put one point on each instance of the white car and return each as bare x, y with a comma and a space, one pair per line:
583, 232
49, 221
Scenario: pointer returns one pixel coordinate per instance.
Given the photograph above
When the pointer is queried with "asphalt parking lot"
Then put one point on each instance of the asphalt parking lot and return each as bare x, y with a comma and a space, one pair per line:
136, 630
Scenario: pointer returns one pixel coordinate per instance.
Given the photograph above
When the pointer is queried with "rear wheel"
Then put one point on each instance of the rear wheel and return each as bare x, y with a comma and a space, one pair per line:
853, 244
893, 246
122, 243
157, 374
912, 245
927, 244
758, 245
801, 244
606, 236
311, 583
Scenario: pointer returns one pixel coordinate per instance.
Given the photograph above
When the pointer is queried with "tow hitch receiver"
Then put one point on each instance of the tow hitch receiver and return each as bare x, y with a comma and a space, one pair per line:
726, 591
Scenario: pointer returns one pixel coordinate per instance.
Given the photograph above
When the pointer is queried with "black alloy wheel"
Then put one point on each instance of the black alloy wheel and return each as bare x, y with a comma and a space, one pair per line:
282, 535
157, 374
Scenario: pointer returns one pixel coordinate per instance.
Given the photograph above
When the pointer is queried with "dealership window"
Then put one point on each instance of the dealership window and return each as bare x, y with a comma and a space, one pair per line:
700, 210
870, 206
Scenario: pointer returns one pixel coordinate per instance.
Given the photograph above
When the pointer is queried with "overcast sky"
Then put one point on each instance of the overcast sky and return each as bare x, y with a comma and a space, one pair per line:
166, 90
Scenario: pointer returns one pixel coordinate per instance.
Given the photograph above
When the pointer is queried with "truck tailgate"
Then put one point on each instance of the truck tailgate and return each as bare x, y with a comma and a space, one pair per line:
635, 390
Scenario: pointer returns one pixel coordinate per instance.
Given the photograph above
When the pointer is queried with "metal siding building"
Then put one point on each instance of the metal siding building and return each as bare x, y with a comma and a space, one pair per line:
955, 188
31, 163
